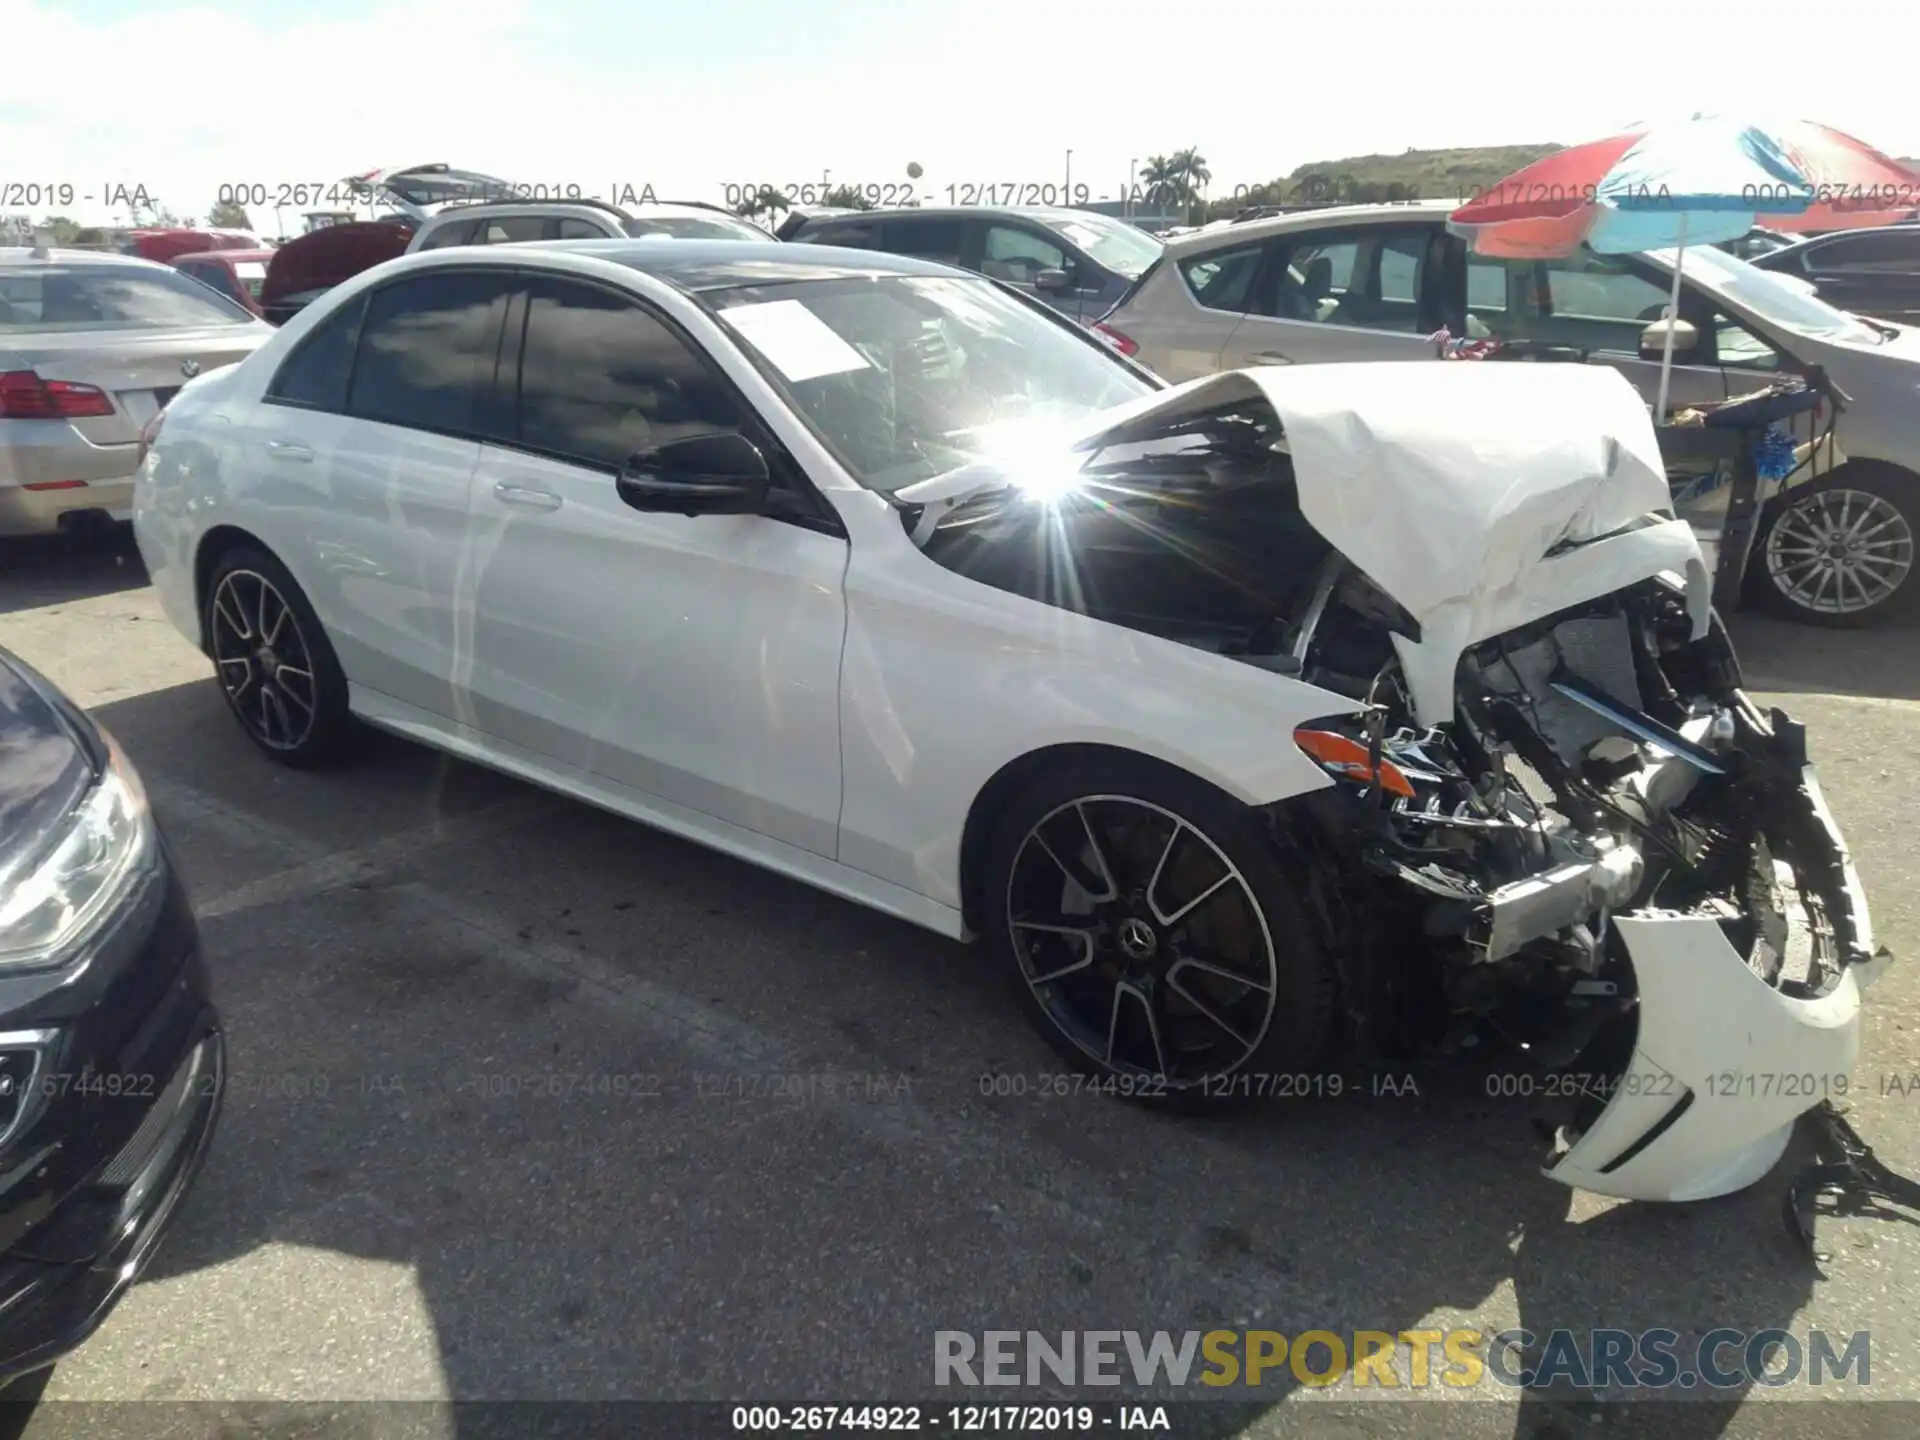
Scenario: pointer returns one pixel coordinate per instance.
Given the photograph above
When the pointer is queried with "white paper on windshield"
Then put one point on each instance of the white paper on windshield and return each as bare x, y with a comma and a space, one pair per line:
801, 345
250, 269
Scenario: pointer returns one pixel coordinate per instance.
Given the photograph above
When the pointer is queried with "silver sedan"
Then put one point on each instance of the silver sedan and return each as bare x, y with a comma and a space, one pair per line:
91, 347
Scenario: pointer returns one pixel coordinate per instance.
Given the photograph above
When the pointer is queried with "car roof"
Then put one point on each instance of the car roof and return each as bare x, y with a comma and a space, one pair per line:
27, 255
697, 265
1800, 243
489, 209
1050, 214
1409, 211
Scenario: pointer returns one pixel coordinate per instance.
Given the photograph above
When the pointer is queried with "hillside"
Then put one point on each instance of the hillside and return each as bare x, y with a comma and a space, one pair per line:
1365, 179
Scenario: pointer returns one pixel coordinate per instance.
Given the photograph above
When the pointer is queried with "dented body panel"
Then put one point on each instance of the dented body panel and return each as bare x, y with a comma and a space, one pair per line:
1594, 851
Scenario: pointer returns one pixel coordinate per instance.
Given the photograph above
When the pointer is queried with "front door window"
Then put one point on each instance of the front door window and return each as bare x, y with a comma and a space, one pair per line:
1017, 255
1586, 301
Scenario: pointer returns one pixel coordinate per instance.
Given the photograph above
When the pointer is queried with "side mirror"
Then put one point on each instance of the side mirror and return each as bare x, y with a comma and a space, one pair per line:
1653, 340
719, 474
1052, 280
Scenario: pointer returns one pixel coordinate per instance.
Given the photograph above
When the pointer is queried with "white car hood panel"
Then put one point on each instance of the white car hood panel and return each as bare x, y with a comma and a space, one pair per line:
1449, 484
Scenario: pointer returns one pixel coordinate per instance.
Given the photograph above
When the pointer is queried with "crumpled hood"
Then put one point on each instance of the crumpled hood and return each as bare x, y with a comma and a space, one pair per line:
1448, 485
1446, 482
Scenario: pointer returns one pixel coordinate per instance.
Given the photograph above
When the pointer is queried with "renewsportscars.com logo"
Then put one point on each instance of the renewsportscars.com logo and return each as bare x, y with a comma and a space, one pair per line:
1655, 1359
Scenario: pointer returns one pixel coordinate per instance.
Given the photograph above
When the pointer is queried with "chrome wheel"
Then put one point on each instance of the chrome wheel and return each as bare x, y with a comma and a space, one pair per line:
1840, 552
1141, 941
263, 660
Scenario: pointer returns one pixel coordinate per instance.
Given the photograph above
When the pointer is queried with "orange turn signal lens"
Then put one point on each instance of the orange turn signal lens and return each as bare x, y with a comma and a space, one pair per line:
1349, 759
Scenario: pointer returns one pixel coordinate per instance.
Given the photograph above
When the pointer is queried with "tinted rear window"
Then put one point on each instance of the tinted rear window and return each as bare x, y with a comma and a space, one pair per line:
62, 297
314, 376
428, 347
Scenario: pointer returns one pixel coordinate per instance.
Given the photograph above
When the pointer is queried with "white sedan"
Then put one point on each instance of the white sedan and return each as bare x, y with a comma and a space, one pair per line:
1278, 719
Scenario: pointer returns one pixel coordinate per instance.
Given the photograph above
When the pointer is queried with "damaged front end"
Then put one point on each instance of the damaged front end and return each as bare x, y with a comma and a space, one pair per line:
1558, 837
1620, 875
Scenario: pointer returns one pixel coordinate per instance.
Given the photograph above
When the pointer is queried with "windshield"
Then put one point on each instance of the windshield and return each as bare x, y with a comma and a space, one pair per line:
694, 227
1769, 296
103, 297
1114, 243
907, 377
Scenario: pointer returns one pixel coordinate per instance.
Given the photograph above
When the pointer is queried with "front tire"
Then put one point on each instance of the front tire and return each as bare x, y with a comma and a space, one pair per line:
1840, 552
1153, 937
274, 662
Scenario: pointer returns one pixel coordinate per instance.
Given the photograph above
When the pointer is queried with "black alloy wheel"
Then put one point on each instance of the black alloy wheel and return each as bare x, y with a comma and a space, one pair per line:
273, 661
1154, 939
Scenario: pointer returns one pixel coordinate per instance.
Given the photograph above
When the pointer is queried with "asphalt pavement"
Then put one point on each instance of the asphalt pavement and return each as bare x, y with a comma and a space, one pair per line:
529, 1102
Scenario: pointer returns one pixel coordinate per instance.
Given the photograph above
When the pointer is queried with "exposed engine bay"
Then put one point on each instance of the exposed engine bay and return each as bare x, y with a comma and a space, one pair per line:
1602, 802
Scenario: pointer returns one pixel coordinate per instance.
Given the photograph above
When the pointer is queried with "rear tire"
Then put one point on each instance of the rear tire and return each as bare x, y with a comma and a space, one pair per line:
1839, 553
274, 663
1154, 939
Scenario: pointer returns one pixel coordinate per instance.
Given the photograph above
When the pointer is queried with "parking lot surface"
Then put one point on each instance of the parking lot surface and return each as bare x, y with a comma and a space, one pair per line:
531, 1102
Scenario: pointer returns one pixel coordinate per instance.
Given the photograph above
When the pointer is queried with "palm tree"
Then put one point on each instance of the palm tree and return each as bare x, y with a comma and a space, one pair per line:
764, 201
1165, 183
1191, 166
846, 197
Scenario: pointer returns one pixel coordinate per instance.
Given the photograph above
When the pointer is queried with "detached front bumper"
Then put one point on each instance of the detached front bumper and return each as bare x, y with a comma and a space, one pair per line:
1724, 1063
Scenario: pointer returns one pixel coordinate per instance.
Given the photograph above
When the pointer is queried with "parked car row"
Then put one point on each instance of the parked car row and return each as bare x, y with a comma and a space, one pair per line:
1377, 282
1340, 284
1202, 706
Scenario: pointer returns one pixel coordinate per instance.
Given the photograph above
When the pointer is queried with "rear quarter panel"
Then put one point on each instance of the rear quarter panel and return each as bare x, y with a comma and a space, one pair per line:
184, 474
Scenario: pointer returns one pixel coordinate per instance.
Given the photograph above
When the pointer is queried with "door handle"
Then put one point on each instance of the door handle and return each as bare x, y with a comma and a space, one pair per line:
526, 499
1272, 357
289, 450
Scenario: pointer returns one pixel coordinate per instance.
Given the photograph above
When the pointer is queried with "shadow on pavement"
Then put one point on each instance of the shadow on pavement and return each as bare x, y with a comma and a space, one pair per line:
60, 569
604, 1249
1882, 662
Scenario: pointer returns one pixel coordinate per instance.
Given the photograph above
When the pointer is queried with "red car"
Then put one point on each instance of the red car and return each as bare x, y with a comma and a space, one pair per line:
311, 264
239, 275
161, 246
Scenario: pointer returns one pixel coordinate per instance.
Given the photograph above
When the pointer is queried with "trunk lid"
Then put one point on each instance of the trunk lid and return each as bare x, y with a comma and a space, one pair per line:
328, 257
141, 370
420, 191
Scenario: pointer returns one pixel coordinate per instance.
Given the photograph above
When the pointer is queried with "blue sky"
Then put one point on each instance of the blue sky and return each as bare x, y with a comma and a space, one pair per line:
182, 98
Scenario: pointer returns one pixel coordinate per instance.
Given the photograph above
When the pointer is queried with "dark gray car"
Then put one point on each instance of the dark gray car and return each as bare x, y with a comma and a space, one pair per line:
1077, 262
1868, 272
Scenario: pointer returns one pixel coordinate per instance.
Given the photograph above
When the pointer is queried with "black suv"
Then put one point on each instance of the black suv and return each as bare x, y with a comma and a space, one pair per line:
1076, 261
